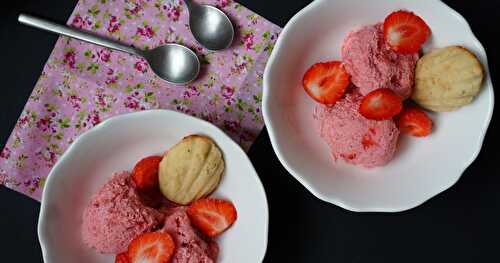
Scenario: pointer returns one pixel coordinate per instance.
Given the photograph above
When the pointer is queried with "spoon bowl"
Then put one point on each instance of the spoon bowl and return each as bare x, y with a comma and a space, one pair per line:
174, 63
210, 26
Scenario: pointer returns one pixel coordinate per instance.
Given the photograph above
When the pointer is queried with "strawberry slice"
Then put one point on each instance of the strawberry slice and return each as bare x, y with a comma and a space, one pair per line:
145, 173
414, 121
326, 82
405, 32
122, 258
152, 247
212, 216
381, 104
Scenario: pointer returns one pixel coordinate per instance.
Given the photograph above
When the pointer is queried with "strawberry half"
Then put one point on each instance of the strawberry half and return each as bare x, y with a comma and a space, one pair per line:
415, 122
326, 82
145, 173
122, 258
381, 104
212, 216
153, 247
405, 32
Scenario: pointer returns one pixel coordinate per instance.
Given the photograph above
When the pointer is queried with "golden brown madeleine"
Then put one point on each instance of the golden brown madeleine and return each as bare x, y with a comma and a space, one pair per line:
191, 169
447, 79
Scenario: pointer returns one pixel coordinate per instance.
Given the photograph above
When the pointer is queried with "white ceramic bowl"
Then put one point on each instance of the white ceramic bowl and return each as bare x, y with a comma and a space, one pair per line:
115, 145
421, 168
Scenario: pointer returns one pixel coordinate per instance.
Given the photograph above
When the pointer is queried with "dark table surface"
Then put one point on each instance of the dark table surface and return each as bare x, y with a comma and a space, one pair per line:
459, 225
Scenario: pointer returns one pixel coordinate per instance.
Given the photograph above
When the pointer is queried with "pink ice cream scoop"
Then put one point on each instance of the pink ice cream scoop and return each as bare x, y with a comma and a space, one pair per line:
190, 245
116, 215
354, 138
373, 65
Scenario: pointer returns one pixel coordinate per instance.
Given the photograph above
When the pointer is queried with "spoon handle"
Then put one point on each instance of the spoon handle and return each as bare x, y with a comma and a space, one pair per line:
71, 32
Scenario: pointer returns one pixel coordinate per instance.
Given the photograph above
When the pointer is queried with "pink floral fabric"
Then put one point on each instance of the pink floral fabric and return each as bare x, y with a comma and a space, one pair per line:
83, 84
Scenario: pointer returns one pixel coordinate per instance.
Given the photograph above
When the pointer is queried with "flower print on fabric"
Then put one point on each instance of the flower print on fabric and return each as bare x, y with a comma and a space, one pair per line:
173, 9
69, 57
114, 24
248, 40
141, 65
223, 3
77, 21
82, 84
146, 31
105, 55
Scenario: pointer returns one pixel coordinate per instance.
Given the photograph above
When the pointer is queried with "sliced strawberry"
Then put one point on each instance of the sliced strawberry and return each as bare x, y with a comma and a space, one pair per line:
122, 258
381, 104
415, 122
145, 173
326, 82
212, 216
152, 247
405, 32
348, 156
368, 141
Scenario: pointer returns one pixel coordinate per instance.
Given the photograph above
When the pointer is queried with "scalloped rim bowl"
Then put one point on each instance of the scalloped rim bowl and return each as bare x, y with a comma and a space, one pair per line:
422, 168
115, 145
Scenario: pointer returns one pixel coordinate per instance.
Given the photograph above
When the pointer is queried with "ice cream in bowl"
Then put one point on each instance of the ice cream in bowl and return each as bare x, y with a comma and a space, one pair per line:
378, 105
137, 189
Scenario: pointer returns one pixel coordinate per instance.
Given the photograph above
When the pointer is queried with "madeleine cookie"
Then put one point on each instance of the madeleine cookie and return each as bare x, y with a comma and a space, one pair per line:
446, 105
447, 79
191, 169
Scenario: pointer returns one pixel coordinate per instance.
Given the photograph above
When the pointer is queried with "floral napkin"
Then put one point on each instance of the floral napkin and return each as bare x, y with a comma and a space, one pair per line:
83, 84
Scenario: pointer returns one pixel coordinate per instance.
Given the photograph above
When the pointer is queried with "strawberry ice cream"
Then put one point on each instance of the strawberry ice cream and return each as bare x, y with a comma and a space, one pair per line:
372, 64
191, 246
352, 137
116, 215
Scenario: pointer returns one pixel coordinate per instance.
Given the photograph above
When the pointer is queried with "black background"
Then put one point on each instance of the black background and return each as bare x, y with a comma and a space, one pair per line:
459, 225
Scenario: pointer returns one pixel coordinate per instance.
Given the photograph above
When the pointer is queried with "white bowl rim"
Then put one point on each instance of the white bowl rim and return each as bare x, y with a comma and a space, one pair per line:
110, 121
338, 201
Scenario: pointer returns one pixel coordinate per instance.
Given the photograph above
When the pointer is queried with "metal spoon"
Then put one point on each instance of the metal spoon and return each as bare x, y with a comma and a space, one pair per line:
172, 62
210, 26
